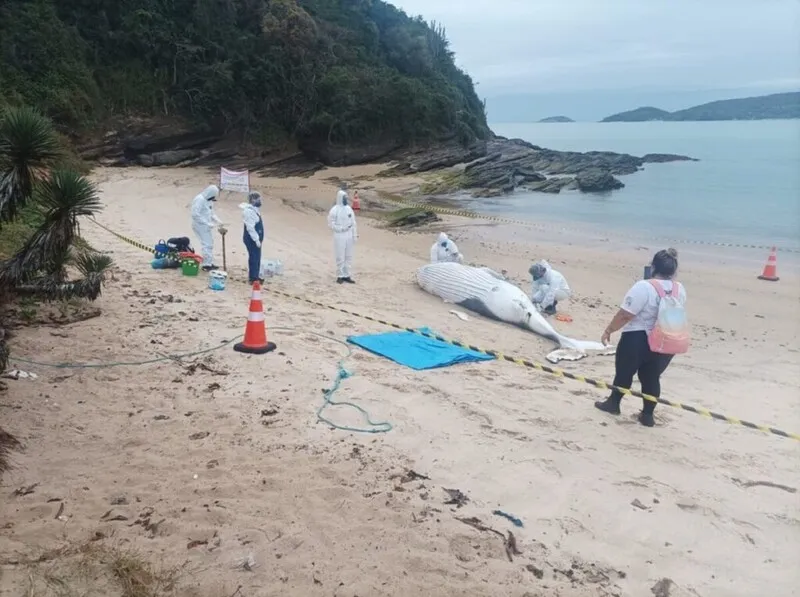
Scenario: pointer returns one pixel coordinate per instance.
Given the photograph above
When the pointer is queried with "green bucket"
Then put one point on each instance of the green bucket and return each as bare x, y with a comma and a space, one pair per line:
190, 267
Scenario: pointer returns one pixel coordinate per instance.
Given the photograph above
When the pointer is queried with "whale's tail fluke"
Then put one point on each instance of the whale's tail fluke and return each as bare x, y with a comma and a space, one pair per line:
582, 345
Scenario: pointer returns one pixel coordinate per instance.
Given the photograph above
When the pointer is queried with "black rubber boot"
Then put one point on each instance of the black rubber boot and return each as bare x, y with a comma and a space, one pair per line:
610, 405
551, 310
340, 280
646, 416
349, 280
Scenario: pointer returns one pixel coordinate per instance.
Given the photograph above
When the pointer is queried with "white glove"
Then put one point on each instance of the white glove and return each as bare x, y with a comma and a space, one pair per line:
258, 244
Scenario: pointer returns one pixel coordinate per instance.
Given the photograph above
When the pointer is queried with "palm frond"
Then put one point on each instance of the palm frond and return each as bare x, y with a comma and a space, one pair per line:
49, 288
90, 262
67, 195
63, 198
28, 147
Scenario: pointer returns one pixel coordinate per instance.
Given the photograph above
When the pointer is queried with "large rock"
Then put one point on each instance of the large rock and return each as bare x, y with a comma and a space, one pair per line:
552, 185
597, 180
168, 158
347, 155
501, 165
660, 158
438, 157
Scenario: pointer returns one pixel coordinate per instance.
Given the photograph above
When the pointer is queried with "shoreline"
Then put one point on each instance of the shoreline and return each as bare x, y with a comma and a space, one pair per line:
288, 491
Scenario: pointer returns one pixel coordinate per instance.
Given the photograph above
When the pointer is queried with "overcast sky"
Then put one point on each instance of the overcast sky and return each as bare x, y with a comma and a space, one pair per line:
602, 56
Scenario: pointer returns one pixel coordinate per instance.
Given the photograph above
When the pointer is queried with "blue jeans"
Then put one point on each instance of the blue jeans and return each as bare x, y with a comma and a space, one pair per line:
253, 259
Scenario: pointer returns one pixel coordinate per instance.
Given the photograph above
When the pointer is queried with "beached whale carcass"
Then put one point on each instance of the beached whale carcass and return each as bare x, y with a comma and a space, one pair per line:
479, 291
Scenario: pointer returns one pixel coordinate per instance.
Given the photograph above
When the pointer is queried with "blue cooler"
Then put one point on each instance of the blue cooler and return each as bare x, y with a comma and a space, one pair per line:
161, 249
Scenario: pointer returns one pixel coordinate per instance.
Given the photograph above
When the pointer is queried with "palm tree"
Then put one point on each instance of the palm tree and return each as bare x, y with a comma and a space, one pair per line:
30, 177
30, 153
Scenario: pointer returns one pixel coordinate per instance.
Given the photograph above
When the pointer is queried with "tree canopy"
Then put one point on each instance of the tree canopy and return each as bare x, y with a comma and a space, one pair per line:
334, 71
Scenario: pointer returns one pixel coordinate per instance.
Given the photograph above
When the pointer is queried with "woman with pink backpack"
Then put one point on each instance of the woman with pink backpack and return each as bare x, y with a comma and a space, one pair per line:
654, 329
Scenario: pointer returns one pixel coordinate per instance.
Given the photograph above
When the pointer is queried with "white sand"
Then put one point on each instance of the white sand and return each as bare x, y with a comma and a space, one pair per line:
320, 510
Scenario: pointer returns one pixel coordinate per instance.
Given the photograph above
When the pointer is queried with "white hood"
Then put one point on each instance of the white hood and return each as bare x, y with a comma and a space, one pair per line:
210, 191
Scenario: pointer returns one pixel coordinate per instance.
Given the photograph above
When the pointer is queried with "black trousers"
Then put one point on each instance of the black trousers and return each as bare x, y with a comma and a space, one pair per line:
634, 357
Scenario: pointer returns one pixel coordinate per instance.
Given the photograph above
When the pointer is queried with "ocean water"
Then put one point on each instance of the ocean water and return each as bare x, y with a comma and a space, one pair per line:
745, 188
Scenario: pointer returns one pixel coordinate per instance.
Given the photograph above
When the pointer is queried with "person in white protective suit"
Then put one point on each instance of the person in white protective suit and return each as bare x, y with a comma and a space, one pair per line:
342, 220
203, 222
549, 287
445, 249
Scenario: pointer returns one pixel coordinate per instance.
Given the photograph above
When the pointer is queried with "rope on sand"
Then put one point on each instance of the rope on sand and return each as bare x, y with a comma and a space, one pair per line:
328, 393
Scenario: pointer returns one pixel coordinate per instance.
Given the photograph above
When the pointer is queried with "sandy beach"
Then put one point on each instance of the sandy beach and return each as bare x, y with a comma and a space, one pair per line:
215, 466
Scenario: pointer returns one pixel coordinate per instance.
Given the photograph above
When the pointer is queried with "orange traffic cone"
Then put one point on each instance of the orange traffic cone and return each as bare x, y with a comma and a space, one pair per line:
356, 202
255, 333
771, 268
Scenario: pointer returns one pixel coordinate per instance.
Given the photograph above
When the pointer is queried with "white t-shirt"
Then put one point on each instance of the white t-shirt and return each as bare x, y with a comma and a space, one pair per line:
641, 301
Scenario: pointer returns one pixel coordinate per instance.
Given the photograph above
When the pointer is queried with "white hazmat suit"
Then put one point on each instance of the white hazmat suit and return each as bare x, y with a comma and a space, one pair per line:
203, 222
550, 287
342, 220
445, 249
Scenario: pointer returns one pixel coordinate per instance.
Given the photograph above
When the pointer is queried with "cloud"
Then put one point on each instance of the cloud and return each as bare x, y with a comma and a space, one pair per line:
553, 46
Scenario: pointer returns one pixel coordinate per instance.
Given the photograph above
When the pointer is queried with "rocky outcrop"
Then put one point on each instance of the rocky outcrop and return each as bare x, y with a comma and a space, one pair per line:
501, 165
153, 144
553, 185
347, 155
597, 180
487, 168
660, 158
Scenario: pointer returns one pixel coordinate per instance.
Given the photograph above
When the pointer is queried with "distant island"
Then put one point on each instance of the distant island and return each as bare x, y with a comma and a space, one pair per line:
556, 119
766, 107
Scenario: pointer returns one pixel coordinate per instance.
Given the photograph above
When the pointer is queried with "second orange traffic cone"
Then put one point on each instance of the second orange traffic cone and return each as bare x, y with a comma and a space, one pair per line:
770, 272
255, 333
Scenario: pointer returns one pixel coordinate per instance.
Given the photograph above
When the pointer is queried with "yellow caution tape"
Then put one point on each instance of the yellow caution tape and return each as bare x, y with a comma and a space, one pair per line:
597, 383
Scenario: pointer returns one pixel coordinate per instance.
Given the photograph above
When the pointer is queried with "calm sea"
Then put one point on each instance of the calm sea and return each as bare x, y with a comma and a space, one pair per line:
744, 189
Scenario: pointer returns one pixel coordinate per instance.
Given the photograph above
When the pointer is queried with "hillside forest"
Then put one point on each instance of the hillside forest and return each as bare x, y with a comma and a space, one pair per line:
312, 71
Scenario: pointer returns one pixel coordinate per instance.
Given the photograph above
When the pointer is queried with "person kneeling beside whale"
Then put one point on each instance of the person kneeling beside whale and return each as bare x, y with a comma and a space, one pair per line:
549, 287
444, 250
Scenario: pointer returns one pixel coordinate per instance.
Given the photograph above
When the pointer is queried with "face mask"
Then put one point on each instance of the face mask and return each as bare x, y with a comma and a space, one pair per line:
444, 244
256, 203
344, 201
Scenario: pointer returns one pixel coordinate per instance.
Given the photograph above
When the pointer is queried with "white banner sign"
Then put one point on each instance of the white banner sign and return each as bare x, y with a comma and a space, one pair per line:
231, 180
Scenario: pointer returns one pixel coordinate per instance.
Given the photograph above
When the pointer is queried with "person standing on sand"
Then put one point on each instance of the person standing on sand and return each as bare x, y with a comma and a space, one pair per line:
342, 220
253, 235
638, 316
203, 222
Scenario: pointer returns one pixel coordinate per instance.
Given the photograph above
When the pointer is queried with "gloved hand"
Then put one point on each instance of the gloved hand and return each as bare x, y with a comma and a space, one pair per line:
258, 244
222, 230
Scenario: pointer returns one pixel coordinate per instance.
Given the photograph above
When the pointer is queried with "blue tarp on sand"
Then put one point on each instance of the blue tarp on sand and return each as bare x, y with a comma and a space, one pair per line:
415, 351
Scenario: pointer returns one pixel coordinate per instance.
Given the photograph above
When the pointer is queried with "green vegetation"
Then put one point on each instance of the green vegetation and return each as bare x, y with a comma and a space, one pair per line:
766, 107
441, 183
316, 71
44, 199
408, 217
643, 114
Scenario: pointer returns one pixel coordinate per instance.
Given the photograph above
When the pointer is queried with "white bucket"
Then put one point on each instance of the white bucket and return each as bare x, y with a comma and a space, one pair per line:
271, 267
217, 279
